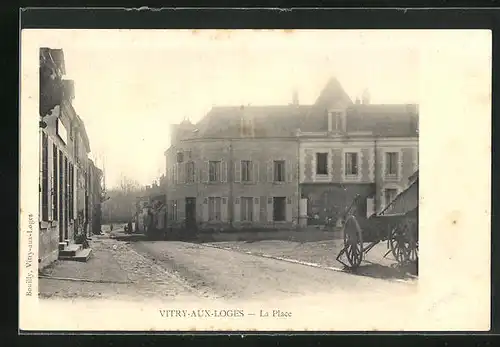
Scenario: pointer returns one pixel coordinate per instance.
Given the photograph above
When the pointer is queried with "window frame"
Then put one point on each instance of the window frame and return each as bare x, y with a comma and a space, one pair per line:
249, 171
325, 171
216, 175
386, 190
347, 155
247, 209
44, 186
276, 177
388, 163
213, 214
190, 172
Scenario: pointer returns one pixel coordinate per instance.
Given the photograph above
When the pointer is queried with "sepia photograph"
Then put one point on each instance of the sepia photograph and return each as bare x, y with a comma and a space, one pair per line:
248, 179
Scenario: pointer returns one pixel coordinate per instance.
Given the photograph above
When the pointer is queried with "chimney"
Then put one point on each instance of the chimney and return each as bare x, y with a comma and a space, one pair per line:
365, 98
295, 98
358, 101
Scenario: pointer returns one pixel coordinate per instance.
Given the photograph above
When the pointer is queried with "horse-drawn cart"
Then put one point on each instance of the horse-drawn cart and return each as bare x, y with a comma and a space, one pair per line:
397, 224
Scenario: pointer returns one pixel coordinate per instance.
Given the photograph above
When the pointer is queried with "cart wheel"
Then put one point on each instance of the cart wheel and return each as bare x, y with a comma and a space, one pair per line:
401, 243
353, 242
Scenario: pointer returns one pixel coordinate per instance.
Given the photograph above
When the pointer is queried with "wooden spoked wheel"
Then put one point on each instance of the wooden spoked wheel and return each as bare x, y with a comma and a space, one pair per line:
353, 242
403, 244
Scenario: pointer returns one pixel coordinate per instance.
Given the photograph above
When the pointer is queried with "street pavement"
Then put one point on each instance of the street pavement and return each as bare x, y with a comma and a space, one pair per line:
134, 270
139, 278
377, 263
114, 271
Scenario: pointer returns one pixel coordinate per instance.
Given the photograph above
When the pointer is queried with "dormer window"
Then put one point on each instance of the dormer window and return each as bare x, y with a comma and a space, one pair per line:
335, 121
247, 127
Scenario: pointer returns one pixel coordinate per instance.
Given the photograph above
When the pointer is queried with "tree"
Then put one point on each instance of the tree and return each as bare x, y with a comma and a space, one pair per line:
121, 203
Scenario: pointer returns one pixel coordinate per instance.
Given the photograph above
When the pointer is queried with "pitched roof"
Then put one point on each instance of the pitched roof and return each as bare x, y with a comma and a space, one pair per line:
383, 119
332, 96
284, 120
272, 121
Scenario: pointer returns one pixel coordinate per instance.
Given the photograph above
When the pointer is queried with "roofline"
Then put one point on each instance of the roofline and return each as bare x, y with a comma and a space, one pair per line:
300, 139
83, 131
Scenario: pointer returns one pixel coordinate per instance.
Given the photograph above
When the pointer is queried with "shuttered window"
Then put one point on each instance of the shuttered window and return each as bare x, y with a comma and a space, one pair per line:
246, 171
321, 163
391, 163
279, 170
55, 176
214, 209
351, 164
246, 213
214, 171
44, 191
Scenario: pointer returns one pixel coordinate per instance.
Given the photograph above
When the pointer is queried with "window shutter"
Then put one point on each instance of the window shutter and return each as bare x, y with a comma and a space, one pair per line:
289, 171
256, 210
255, 172
270, 171
237, 209
237, 171
75, 190
270, 209
197, 174
223, 171
50, 172
206, 172
182, 173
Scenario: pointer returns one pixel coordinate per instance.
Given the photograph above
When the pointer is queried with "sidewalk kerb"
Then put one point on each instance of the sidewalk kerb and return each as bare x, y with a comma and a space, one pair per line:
295, 261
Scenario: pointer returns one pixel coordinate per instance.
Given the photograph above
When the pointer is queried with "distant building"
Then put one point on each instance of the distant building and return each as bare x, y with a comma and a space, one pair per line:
248, 167
95, 198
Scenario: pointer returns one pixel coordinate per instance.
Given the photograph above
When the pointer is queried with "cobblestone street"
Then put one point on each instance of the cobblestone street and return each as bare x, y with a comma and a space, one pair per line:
133, 270
114, 270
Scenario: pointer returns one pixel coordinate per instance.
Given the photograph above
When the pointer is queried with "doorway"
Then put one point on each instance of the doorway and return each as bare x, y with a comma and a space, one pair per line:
279, 209
61, 197
191, 213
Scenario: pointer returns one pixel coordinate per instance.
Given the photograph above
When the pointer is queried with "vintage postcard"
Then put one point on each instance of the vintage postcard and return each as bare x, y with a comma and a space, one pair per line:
255, 180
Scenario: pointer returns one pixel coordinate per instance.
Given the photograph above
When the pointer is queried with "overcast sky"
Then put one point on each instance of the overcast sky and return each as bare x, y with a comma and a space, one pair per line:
130, 85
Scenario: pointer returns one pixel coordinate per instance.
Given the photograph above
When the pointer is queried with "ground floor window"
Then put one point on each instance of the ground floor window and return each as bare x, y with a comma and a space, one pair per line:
44, 190
55, 177
172, 210
214, 209
279, 209
246, 209
390, 194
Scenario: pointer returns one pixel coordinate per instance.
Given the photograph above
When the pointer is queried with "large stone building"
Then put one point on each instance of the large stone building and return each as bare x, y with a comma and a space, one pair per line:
64, 163
280, 166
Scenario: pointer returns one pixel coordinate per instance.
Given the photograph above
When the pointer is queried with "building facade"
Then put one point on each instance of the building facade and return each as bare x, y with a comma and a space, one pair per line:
275, 167
63, 161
